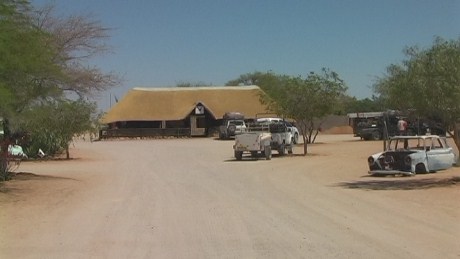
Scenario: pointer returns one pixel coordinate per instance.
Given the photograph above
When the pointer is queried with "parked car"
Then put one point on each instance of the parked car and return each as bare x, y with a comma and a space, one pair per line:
294, 131
409, 155
233, 124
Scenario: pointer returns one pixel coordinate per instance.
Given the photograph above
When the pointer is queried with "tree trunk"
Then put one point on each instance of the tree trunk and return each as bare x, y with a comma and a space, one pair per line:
305, 145
456, 138
3, 160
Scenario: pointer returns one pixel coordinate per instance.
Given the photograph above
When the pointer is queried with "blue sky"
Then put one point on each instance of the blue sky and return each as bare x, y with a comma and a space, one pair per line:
163, 43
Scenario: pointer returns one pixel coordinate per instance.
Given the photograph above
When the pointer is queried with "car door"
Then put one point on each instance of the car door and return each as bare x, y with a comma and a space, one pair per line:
287, 134
439, 156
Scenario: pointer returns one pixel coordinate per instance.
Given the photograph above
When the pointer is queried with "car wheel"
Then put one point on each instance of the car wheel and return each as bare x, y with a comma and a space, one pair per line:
281, 150
295, 139
420, 168
376, 135
231, 130
239, 155
268, 152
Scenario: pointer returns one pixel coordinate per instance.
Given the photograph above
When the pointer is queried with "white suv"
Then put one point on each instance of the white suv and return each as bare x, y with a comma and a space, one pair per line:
232, 128
290, 126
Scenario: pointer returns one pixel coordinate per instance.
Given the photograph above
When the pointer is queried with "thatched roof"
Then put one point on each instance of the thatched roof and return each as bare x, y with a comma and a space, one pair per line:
176, 103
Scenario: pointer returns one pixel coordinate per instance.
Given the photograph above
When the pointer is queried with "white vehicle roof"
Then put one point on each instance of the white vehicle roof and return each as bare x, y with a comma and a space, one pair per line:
364, 114
269, 119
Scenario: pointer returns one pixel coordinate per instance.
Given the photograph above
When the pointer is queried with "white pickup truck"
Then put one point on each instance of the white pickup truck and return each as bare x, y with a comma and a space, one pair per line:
291, 127
263, 138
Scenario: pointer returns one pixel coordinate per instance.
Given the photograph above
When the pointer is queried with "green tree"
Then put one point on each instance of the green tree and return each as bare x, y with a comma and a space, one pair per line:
194, 84
305, 100
427, 81
353, 105
44, 65
26, 56
75, 39
45, 56
52, 126
247, 79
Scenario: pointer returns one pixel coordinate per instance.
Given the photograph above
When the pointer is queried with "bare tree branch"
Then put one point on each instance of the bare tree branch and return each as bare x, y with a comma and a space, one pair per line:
77, 39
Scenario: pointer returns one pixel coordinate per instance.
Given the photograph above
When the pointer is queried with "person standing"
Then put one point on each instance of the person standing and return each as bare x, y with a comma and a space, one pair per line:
402, 127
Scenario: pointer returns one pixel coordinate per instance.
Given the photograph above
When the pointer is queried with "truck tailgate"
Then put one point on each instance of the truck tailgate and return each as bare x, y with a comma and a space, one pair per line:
249, 141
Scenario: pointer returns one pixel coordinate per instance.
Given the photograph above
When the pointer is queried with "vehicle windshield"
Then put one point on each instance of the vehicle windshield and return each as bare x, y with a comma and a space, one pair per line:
407, 143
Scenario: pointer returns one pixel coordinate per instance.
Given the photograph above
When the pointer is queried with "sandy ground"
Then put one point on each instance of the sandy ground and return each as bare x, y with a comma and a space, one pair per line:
189, 198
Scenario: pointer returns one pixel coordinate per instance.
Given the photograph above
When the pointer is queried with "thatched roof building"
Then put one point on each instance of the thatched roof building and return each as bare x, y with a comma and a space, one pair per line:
177, 103
178, 111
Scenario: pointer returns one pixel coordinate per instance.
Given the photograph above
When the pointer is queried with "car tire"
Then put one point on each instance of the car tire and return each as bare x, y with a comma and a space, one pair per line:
289, 149
420, 169
295, 139
268, 153
376, 135
282, 150
239, 155
231, 130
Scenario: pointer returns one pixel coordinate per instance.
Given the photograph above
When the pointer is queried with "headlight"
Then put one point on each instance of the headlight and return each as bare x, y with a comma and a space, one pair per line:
370, 160
407, 160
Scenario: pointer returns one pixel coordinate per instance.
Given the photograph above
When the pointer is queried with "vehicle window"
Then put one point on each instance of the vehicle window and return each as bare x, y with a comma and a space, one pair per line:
436, 143
237, 123
277, 128
373, 122
416, 143
412, 143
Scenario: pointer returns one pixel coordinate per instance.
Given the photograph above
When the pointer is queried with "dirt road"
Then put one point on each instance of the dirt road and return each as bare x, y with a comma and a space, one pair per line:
189, 198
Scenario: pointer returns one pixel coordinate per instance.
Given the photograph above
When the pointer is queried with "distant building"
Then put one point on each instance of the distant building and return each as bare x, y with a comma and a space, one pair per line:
179, 111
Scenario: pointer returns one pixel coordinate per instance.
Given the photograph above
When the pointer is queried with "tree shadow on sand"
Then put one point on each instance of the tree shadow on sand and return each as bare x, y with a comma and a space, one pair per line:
24, 176
276, 156
398, 184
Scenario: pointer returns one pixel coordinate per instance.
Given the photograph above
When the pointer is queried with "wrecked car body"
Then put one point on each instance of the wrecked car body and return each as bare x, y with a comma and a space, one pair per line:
409, 155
